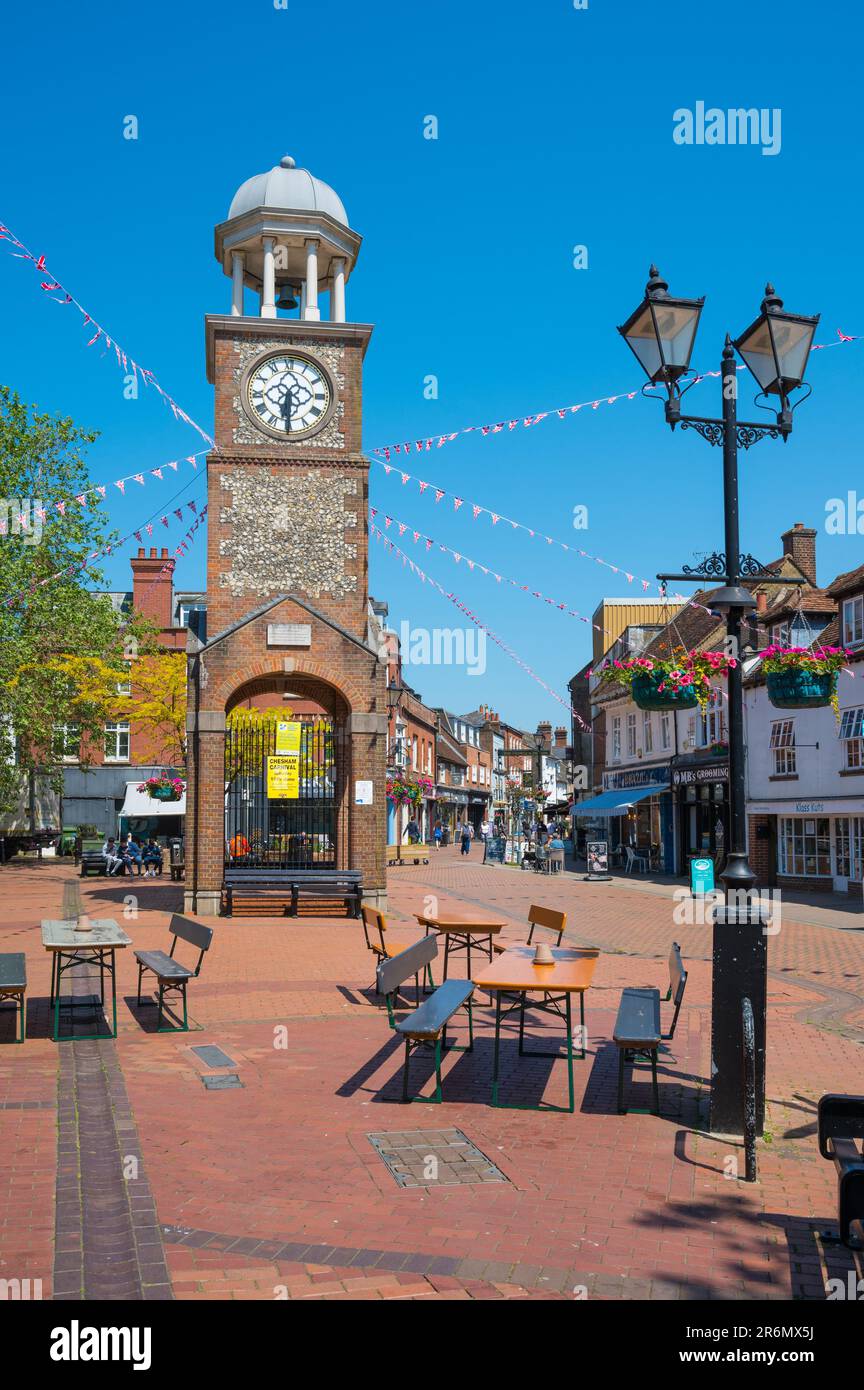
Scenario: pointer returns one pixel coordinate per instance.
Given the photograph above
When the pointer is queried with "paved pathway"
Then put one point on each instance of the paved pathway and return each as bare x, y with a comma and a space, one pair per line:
126, 1177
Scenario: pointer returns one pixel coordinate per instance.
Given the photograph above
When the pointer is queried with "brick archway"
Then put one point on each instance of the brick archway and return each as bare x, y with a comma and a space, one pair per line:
352, 695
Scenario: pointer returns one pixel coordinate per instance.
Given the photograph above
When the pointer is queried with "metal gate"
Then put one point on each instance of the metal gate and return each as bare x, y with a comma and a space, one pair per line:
280, 831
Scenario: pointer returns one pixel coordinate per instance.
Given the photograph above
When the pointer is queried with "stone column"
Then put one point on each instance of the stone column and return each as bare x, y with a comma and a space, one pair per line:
268, 283
237, 270
337, 298
312, 312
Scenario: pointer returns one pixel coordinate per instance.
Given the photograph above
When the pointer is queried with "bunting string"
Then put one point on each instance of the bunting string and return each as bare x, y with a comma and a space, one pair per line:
440, 493
84, 566
101, 489
472, 617
51, 284
560, 412
458, 556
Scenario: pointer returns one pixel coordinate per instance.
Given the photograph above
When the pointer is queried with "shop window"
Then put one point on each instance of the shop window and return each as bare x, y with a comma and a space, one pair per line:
853, 621
852, 737
849, 846
805, 846
783, 747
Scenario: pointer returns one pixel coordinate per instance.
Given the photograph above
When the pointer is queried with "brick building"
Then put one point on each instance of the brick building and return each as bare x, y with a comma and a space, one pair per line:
287, 585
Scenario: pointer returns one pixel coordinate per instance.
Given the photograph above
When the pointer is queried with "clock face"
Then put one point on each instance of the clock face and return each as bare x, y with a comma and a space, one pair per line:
288, 395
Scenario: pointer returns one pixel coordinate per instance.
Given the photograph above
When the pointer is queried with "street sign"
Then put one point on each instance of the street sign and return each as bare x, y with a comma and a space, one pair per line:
701, 876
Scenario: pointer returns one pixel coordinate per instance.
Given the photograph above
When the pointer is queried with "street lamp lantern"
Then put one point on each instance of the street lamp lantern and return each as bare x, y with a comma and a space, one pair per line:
661, 332
777, 345
775, 348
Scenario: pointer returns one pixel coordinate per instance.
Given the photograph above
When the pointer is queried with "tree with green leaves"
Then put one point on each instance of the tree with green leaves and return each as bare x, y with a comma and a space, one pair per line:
62, 646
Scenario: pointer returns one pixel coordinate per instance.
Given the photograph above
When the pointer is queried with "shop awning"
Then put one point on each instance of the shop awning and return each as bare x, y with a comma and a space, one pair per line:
618, 802
140, 805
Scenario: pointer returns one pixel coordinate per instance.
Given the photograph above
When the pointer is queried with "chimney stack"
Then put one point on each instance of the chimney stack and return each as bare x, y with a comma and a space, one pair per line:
153, 586
560, 737
799, 542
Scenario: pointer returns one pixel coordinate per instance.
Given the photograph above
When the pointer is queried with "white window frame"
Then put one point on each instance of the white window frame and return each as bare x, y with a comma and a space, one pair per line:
799, 851
853, 743
65, 734
118, 730
853, 621
647, 733
711, 728
782, 745
631, 736
665, 730
616, 738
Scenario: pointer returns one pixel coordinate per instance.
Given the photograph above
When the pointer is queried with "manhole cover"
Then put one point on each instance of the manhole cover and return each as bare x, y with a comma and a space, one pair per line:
434, 1158
222, 1083
213, 1056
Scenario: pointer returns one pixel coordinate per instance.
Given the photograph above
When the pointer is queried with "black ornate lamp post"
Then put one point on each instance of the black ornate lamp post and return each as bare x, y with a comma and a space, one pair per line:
775, 348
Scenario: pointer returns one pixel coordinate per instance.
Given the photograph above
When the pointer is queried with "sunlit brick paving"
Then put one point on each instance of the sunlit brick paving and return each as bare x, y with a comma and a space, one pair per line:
273, 1188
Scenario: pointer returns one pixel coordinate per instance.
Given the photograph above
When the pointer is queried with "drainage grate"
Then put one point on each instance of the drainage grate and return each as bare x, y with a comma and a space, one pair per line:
213, 1056
222, 1083
434, 1158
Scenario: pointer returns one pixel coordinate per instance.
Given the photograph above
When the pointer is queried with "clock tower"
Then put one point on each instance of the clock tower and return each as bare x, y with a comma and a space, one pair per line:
287, 544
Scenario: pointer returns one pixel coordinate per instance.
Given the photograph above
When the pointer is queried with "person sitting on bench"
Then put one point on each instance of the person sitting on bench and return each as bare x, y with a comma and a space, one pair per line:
151, 858
113, 861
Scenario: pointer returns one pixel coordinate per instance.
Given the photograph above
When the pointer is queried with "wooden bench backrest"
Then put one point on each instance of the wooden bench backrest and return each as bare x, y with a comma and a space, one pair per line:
373, 921
546, 917
677, 975
394, 972
193, 932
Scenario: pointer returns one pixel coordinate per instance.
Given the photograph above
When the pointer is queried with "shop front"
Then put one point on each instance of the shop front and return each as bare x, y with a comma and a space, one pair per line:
701, 790
633, 811
816, 845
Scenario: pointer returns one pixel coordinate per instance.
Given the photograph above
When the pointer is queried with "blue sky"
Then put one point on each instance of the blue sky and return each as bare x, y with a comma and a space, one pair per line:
554, 130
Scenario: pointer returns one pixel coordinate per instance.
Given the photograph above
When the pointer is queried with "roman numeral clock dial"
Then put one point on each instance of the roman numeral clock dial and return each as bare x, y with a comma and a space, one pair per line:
288, 396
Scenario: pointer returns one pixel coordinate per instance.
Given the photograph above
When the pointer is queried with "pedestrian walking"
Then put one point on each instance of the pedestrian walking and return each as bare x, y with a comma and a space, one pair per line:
438, 834
466, 835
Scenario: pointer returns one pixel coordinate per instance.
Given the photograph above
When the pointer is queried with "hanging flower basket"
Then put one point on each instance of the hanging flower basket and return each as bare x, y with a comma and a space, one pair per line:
404, 791
679, 681
799, 689
163, 788
647, 694
801, 677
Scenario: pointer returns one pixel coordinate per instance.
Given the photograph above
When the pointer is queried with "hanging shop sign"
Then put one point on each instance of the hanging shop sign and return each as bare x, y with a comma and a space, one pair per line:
694, 776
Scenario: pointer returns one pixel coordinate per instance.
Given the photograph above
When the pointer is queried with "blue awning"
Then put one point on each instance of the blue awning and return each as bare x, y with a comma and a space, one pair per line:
617, 802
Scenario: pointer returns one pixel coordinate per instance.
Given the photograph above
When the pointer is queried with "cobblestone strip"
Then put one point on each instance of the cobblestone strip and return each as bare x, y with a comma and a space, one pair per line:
107, 1240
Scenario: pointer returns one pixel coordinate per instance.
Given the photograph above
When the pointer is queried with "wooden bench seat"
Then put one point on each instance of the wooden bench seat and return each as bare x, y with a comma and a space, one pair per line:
425, 1026
341, 887
13, 984
638, 1030
171, 974
840, 1124
539, 917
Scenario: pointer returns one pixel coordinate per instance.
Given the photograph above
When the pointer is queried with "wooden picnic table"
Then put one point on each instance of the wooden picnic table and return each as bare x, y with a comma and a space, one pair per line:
69, 946
460, 930
513, 978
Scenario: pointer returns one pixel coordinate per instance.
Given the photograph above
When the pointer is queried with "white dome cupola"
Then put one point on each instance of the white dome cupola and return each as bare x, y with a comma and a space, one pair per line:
287, 238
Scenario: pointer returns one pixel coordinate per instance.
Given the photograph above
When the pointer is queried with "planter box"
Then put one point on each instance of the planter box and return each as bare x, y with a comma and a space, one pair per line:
647, 696
799, 689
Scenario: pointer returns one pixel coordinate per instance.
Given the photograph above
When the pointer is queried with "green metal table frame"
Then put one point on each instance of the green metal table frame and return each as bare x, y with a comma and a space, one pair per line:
549, 1003
464, 942
62, 960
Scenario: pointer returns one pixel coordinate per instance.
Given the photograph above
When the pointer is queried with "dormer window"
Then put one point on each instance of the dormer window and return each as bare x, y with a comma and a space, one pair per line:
853, 621
780, 634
